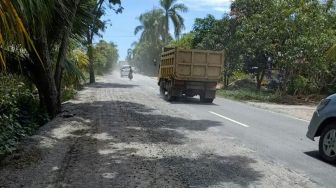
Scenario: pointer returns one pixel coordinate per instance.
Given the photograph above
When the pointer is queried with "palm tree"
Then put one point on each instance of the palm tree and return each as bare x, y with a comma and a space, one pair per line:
12, 29
37, 27
152, 26
172, 11
129, 54
48, 24
97, 12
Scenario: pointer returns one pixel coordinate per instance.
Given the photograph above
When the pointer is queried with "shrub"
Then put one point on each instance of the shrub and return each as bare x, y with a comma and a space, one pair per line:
248, 94
68, 93
296, 85
20, 114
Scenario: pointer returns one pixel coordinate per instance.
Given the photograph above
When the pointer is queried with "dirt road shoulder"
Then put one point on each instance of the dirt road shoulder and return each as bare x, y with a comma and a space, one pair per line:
303, 112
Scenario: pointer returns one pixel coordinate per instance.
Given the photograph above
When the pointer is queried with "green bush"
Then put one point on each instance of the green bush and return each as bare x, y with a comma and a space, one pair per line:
249, 95
331, 89
20, 114
297, 85
239, 75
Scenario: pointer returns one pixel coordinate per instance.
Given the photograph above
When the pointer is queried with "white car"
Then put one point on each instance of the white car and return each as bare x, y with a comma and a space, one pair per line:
323, 125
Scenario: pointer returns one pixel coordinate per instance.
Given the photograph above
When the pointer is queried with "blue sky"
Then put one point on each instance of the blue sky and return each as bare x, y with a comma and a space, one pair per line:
121, 30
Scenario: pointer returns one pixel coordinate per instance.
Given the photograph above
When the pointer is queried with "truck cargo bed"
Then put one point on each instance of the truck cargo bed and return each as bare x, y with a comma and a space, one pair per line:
195, 65
190, 73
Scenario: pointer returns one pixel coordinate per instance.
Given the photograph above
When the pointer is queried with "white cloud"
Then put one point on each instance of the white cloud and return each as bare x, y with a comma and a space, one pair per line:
216, 5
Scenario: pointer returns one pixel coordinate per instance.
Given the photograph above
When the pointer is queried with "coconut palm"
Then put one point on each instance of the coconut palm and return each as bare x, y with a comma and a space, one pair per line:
152, 26
172, 11
12, 28
50, 24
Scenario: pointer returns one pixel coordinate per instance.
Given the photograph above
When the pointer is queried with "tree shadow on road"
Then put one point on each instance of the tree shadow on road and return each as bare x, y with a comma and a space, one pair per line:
125, 168
124, 144
128, 114
176, 171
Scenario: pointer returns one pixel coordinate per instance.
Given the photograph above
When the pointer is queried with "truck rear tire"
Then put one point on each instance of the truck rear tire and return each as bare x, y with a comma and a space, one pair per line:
162, 89
170, 96
206, 100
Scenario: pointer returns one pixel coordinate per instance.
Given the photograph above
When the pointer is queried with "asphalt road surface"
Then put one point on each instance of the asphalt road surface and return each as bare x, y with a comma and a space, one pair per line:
121, 133
273, 136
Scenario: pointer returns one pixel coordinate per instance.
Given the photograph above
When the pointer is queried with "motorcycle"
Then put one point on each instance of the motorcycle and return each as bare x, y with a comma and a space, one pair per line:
130, 75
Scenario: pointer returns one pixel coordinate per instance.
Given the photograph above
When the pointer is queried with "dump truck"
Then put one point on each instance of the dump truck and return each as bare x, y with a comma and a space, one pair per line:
190, 73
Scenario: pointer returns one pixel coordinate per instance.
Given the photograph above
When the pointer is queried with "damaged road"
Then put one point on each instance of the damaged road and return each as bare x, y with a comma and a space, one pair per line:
120, 133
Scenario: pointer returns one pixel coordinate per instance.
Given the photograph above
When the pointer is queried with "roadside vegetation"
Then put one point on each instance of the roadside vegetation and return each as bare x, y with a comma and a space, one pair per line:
283, 54
249, 95
46, 54
282, 49
285, 48
20, 113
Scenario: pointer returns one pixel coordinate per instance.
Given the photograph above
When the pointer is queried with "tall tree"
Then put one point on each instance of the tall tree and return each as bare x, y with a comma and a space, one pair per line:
172, 11
12, 29
64, 47
185, 41
293, 41
105, 56
39, 27
151, 26
150, 45
50, 24
212, 34
97, 12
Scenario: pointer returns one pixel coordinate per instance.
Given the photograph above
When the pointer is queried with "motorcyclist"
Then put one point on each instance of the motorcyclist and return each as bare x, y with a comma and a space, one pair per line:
130, 74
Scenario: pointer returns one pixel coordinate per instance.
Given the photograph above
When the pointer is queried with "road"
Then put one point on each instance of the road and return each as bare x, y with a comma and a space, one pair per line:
273, 136
121, 133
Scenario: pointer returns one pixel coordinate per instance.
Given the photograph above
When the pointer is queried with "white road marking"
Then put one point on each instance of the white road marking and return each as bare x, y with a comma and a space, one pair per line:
234, 121
269, 110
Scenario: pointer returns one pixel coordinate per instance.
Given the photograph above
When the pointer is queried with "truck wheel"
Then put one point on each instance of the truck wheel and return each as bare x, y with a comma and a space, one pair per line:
206, 100
162, 89
209, 100
170, 97
327, 145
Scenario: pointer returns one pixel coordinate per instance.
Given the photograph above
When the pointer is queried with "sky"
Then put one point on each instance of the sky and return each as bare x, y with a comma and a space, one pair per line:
120, 29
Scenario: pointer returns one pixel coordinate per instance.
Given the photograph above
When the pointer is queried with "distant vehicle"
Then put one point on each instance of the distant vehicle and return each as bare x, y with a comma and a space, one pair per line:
124, 70
323, 124
190, 73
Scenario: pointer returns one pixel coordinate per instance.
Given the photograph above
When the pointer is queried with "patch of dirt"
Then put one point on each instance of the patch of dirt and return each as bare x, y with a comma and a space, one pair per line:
308, 100
304, 112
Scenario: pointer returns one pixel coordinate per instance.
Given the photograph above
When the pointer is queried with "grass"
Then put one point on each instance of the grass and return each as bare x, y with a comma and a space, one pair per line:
249, 95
